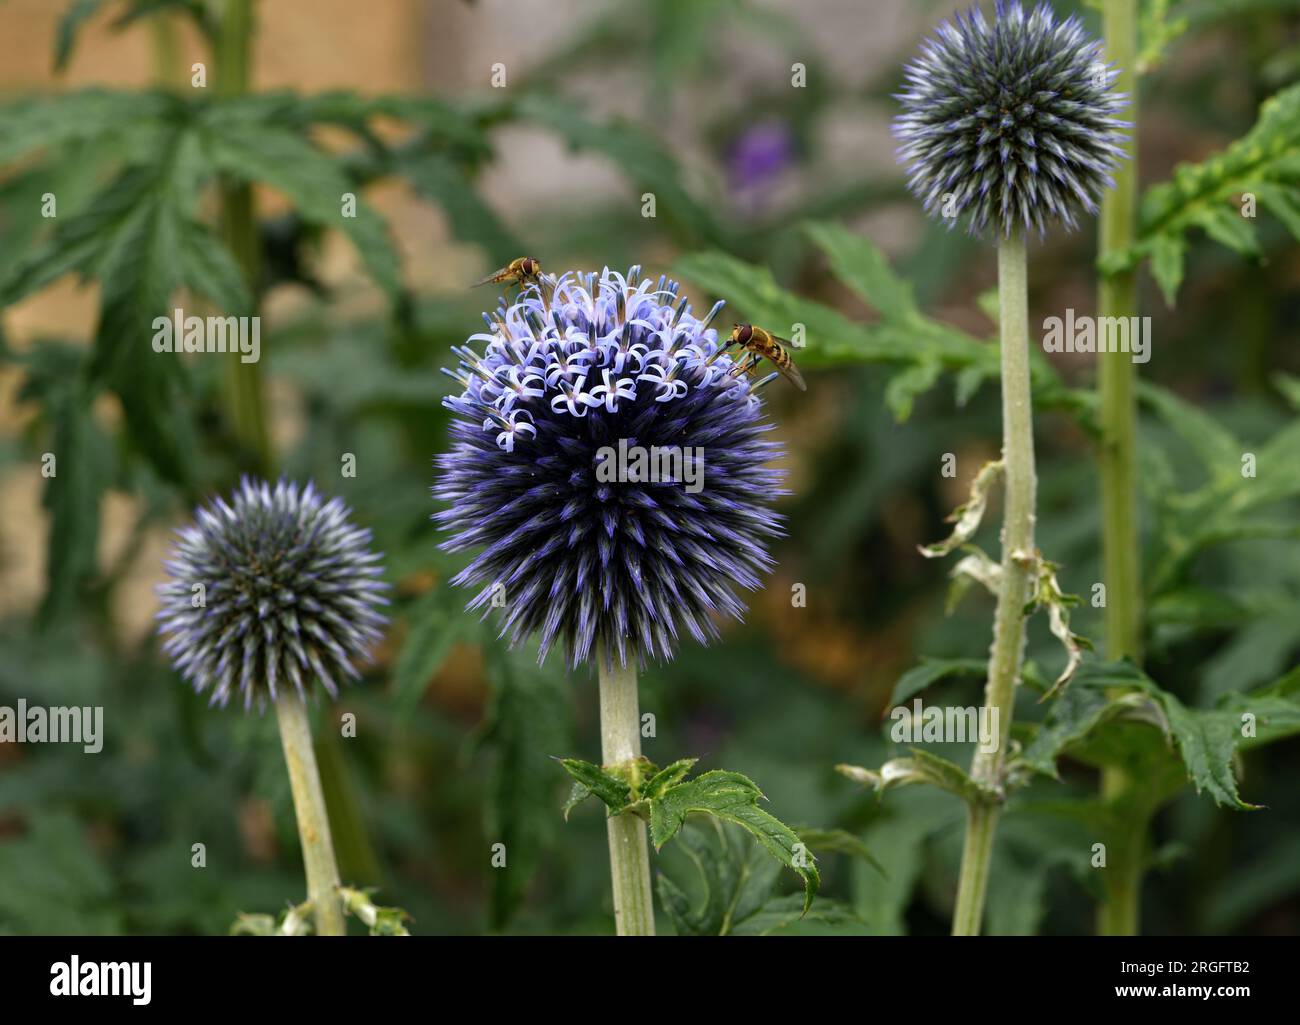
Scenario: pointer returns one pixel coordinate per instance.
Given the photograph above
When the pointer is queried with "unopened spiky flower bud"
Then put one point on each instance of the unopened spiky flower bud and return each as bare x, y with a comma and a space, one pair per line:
1010, 123
274, 588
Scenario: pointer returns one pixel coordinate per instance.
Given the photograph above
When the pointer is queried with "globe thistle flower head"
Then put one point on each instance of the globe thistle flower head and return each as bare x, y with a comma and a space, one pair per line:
1010, 123
289, 594
574, 368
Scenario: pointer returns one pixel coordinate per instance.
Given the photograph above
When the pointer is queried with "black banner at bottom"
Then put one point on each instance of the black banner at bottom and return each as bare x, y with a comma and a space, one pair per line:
152, 975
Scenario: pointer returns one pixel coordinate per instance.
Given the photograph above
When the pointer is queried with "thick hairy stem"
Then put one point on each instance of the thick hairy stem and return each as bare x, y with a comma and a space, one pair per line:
243, 383
1116, 374
1018, 555
629, 854
309, 808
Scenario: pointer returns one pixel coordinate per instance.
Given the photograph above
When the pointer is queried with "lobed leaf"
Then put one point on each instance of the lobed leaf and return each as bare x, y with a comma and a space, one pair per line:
920, 348
920, 767
240, 140
1204, 741
666, 798
1264, 163
932, 670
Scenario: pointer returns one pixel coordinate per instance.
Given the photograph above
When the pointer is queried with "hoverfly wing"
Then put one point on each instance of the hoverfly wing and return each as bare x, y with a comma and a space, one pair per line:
790, 372
495, 278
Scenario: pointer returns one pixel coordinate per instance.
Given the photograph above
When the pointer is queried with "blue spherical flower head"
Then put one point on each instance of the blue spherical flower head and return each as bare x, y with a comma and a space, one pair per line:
568, 372
1010, 123
289, 594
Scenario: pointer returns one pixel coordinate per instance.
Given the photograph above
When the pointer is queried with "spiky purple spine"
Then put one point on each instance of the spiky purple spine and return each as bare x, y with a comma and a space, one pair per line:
569, 369
1010, 123
290, 589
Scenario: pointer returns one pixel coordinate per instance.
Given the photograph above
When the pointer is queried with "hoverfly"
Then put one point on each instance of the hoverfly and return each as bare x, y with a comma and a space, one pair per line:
517, 272
760, 344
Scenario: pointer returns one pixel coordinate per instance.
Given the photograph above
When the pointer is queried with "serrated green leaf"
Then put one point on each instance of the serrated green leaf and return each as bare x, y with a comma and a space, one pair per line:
1226, 507
65, 39
734, 885
1205, 741
1227, 227
527, 719
1289, 386
1208, 195
736, 875
931, 671
471, 218
577, 794
436, 624
38, 123
753, 293
138, 273
907, 385
1256, 653
860, 264
782, 914
734, 798
658, 783
1073, 716
85, 241
55, 881
913, 342
1283, 202
648, 165
920, 767
614, 792
1218, 450
1157, 31
1287, 686
252, 150
129, 238
838, 841
57, 377
209, 268
1167, 254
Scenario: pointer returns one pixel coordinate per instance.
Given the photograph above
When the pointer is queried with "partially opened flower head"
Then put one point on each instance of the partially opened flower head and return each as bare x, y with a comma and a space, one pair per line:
288, 597
1010, 123
568, 372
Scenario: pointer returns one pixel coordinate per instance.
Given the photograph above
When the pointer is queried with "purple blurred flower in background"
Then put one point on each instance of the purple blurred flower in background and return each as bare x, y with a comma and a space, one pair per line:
758, 158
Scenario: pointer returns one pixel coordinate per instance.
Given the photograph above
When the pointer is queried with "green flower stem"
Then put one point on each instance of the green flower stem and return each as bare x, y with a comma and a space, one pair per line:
1018, 559
245, 403
1116, 374
309, 808
973, 881
629, 853
166, 67
243, 383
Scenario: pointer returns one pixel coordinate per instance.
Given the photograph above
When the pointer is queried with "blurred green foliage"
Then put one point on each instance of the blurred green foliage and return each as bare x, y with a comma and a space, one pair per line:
452, 751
